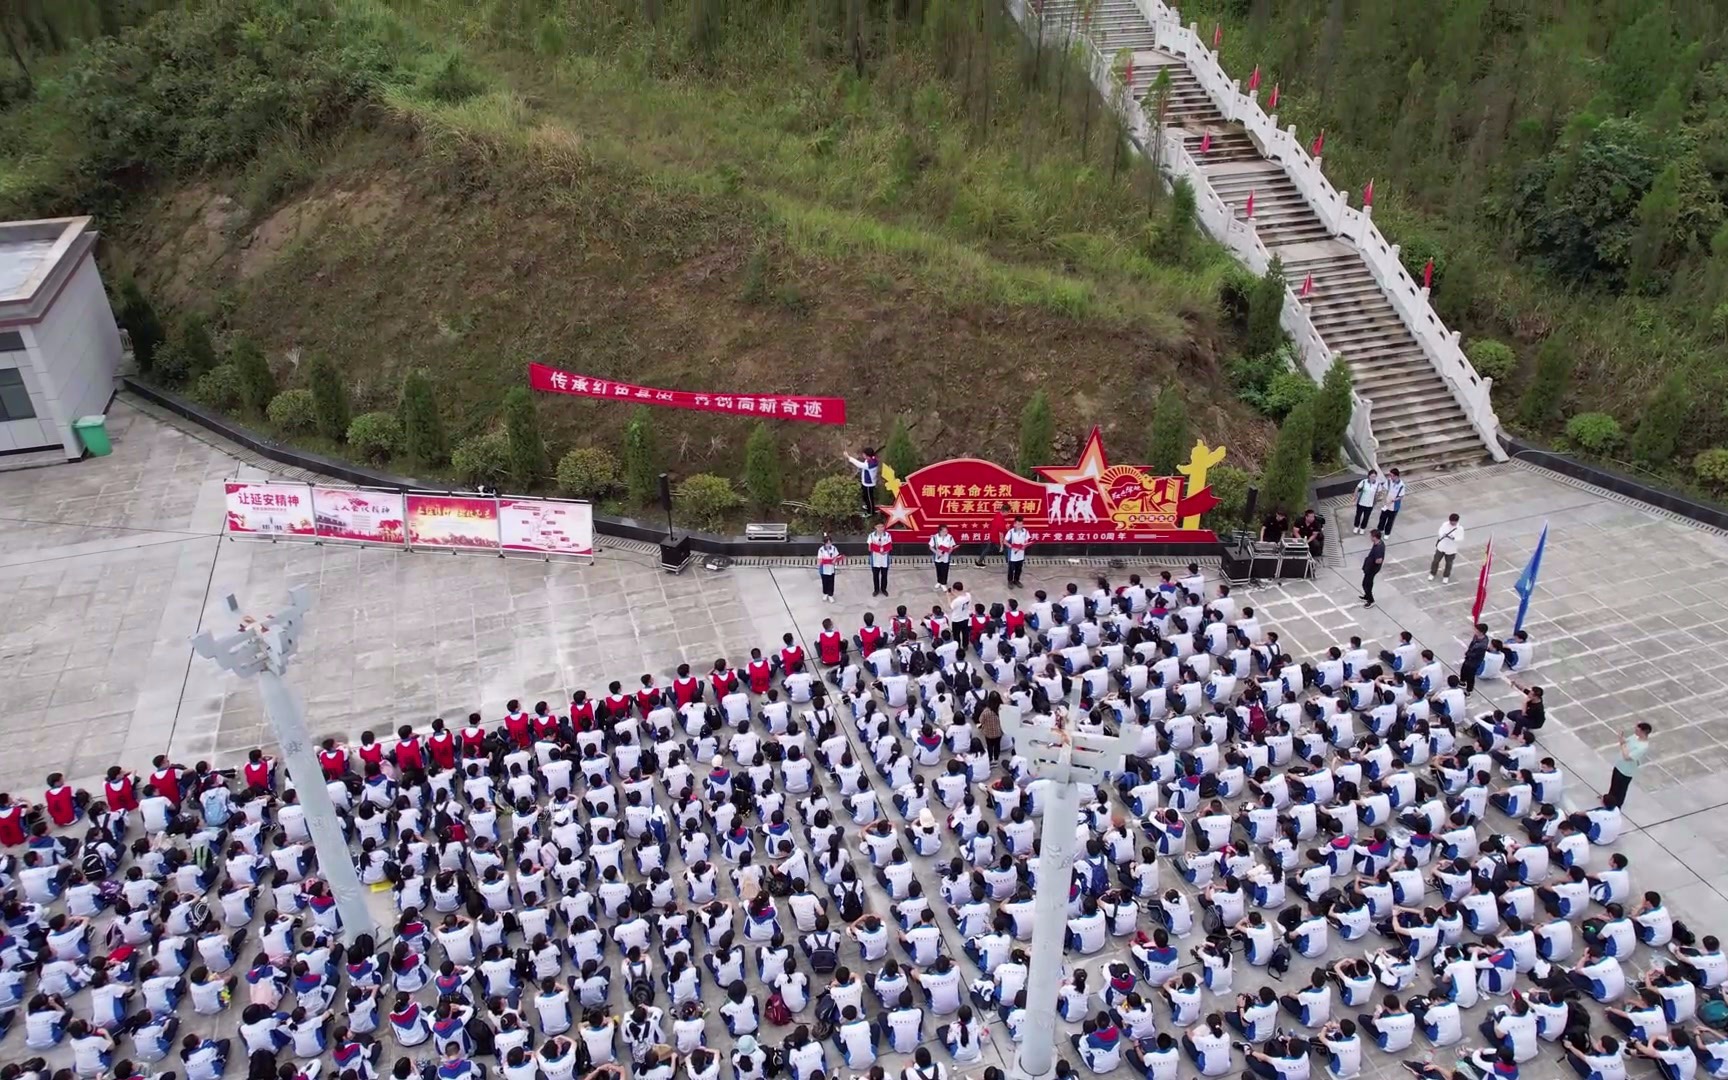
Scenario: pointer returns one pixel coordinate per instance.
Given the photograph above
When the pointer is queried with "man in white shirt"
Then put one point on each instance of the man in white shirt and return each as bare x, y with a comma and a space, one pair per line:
1446, 543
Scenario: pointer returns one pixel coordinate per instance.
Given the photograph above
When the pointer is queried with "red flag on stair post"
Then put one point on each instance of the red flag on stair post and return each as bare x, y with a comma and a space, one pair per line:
1217, 36
1128, 76
1254, 80
1428, 274
1307, 284
1250, 212
1368, 194
1205, 142
1319, 144
1482, 584
1273, 102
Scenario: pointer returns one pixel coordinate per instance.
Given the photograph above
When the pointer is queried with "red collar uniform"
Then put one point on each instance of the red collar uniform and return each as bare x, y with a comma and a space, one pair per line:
334, 764
898, 625
516, 726
648, 699
880, 547
545, 727
759, 673
257, 774
473, 741
979, 624
11, 825
582, 715
441, 745
616, 705
407, 754
942, 547
686, 690
724, 681
935, 624
870, 639
1014, 620
791, 657
830, 646
120, 794
167, 784
371, 753
62, 806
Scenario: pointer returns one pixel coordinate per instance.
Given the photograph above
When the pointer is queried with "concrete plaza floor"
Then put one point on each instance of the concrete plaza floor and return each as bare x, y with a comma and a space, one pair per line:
109, 566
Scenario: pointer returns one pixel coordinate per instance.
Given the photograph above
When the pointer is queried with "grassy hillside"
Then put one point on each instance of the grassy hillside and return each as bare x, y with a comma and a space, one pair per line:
692, 194
1564, 164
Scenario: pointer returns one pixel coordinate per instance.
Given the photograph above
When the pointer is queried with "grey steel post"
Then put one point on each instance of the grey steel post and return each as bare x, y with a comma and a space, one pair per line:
262, 648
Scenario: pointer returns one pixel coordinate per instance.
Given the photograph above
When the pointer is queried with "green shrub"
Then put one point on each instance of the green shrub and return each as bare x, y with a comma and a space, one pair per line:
833, 506
1167, 446
1037, 428
588, 472
1286, 482
451, 80
1540, 406
1492, 359
762, 467
193, 337
1712, 467
138, 316
1664, 421
1332, 408
1287, 390
220, 388
422, 426
527, 445
1265, 309
707, 499
1250, 376
375, 436
641, 467
293, 411
1235, 289
172, 365
1230, 487
483, 459
1596, 432
329, 398
257, 384
901, 454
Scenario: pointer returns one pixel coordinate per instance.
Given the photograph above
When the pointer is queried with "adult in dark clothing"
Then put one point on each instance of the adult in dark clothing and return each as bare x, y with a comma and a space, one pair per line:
998, 529
1474, 653
1371, 564
1534, 714
1277, 523
1312, 528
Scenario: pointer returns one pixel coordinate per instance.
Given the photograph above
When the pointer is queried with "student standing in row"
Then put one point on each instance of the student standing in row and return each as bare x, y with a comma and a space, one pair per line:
827, 564
1634, 745
1367, 493
1015, 541
1371, 565
1446, 548
942, 547
1391, 501
998, 530
881, 545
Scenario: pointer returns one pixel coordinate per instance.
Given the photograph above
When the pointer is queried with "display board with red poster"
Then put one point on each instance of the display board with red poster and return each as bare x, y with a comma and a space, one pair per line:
452, 521
546, 526
359, 516
1089, 502
269, 509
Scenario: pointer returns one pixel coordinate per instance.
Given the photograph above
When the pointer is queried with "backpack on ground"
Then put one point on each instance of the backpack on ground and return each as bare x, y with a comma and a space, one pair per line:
777, 1012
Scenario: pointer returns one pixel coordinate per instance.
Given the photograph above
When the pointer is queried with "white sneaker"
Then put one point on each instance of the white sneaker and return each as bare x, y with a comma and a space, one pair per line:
1430, 577
1445, 581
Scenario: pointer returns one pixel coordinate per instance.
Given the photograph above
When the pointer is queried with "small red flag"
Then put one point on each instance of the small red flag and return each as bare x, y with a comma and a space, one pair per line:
1254, 80
1482, 585
1428, 275
1128, 76
1217, 36
1308, 284
1319, 144
1368, 194
1250, 212
1273, 103
1205, 142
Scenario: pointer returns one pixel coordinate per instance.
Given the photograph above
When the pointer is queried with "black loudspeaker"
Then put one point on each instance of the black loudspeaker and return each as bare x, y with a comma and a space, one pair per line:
1248, 505
666, 493
674, 554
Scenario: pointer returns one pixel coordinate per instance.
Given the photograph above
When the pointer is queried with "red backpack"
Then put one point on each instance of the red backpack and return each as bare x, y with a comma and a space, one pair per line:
777, 1012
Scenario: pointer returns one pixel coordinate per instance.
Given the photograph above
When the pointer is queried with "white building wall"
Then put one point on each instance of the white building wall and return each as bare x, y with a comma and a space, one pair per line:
76, 351
43, 429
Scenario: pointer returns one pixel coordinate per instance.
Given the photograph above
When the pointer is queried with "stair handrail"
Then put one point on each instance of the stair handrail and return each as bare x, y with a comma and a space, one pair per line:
1439, 344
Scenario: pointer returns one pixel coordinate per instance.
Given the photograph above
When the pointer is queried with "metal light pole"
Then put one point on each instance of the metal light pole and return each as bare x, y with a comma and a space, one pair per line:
1066, 760
262, 648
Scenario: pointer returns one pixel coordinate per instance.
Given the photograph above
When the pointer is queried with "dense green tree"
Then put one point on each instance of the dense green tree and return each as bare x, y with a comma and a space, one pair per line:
1285, 485
1540, 407
139, 318
195, 342
1664, 421
1265, 309
1332, 408
1167, 446
329, 398
422, 427
900, 454
522, 430
257, 384
1037, 429
762, 477
641, 463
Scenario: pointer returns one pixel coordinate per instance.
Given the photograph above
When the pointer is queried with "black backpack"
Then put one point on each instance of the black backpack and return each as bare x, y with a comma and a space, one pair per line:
824, 958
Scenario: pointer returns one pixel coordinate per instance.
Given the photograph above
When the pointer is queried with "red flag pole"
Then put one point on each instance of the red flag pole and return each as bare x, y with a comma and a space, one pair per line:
1368, 194
1217, 36
1319, 144
1128, 76
1482, 584
1250, 212
1428, 275
1308, 284
1273, 103
1205, 142
1254, 80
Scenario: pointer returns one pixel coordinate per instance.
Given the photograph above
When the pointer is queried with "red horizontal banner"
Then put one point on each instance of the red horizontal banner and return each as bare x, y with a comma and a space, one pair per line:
812, 410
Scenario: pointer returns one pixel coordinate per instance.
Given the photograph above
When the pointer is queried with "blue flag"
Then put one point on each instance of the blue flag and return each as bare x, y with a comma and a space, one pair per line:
1526, 583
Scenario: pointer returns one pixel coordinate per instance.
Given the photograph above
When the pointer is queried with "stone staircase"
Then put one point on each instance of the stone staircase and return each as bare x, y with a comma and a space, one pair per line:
1418, 424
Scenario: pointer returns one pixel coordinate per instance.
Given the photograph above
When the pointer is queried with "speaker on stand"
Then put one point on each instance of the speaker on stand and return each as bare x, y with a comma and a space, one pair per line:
674, 553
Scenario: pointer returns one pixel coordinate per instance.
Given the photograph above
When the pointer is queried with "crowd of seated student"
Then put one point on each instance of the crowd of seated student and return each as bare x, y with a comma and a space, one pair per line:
798, 842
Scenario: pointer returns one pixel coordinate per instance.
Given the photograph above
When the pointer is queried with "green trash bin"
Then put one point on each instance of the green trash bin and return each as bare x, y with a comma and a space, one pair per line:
93, 433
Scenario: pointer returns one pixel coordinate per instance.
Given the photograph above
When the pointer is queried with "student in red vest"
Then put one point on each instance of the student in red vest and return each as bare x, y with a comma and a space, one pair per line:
166, 778
649, 696
370, 751
581, 712
831, 645
900, 626
791, 653
441, 745
685, 688
516, 725
759, 673
545, 723
11, 821
473, 737
332, 761
64, 805
120, 791
724, 679
869, 636
259, 771
614, 704
407, 752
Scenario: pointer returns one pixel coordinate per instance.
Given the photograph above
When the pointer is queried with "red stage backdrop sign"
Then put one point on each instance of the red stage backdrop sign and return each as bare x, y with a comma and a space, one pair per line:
1091, 502
455, 521
814, 410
